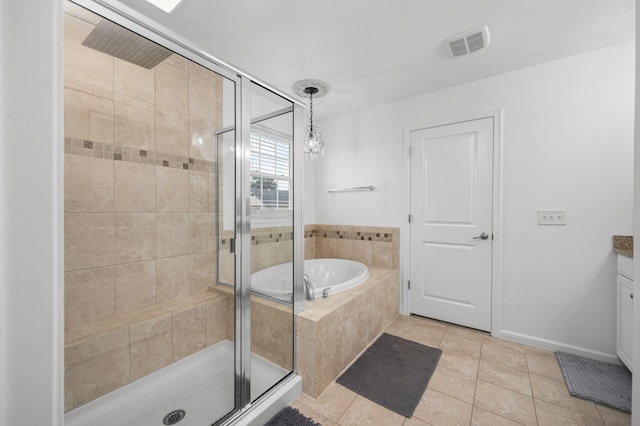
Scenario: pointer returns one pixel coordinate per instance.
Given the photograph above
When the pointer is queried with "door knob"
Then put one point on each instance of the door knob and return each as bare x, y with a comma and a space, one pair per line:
482, 236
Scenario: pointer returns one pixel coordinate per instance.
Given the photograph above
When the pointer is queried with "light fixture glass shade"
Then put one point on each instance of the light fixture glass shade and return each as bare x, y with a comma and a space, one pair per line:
313, 143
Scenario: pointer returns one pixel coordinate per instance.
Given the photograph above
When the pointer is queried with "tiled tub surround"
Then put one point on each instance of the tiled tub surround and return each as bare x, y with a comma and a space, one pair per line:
371, 245
140, 190
270, 246
332, 332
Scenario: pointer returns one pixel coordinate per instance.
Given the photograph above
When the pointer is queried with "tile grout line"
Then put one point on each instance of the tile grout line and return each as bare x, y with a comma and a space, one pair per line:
475, 389
557, 405
347, 409
473, 405
533, 399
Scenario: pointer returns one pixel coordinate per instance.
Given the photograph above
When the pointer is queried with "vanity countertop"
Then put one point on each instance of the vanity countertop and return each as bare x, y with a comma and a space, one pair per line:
623, 244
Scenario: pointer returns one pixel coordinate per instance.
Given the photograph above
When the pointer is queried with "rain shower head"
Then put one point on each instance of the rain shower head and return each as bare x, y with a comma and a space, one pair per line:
121, 43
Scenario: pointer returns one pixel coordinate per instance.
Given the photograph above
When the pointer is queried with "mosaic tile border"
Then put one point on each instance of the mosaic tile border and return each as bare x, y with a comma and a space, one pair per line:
362, 235
261, 236
372, 245
108, 151
273, 235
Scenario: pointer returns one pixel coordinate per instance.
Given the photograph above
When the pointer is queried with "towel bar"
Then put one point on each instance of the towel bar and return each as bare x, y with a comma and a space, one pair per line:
353, 188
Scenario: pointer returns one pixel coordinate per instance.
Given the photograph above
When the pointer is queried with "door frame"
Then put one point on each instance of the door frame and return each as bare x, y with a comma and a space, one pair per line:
497, 241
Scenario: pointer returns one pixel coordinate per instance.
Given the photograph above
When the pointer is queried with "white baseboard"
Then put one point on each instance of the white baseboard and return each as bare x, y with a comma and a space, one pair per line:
556, 346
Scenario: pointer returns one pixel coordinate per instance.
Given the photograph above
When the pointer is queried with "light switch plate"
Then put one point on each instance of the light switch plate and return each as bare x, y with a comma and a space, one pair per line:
552, 217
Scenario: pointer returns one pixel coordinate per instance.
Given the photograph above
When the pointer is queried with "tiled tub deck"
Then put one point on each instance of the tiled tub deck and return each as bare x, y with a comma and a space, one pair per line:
332, 332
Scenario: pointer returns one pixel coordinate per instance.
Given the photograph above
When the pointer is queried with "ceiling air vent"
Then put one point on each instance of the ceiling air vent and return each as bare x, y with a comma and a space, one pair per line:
467, 42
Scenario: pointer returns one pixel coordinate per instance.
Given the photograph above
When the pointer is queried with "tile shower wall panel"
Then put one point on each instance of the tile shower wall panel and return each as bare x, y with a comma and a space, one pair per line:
271, 322
271, 328
140, 253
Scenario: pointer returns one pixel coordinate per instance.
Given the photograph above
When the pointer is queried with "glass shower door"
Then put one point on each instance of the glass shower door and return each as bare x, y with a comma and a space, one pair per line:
271, 194
268, 247
178, 193
149, 333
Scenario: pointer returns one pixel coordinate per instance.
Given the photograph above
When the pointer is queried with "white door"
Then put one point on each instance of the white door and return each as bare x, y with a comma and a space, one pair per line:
451, 223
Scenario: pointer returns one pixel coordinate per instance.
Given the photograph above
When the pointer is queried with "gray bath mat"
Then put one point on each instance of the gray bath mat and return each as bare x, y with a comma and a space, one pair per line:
393, 372
597, 381
290, 417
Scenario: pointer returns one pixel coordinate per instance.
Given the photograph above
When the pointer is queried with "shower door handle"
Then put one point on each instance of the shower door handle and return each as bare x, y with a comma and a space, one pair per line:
232, 245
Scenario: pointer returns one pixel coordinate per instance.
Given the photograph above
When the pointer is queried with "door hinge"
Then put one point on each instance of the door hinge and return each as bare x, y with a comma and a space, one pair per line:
409, 152
409, 218
232, 245
409, 284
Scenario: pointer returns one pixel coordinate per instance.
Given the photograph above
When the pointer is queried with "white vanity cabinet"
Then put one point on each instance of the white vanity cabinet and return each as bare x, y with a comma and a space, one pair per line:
624, 339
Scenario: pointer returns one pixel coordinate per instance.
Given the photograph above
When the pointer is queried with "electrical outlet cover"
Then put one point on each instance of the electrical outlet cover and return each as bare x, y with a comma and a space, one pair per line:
552, 217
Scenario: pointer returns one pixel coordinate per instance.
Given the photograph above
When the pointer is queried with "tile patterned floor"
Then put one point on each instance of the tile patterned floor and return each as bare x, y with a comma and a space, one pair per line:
479, 381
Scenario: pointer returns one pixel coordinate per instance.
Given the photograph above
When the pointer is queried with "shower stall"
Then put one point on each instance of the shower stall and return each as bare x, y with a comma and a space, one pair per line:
182, 178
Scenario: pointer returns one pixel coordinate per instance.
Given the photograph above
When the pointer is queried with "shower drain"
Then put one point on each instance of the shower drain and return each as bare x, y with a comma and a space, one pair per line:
174, 417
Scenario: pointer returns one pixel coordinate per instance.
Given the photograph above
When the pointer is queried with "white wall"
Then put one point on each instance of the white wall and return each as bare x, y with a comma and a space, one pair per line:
308, 192
31, 364
567, 144
635, 409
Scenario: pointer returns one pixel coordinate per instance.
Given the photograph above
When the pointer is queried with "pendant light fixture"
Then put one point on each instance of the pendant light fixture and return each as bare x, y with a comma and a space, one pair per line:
313, 143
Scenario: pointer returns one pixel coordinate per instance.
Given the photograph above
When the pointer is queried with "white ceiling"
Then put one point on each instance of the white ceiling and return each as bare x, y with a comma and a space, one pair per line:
376, 51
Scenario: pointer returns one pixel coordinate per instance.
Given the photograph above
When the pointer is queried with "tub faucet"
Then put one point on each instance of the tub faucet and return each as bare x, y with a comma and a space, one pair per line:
325, 292
309, 292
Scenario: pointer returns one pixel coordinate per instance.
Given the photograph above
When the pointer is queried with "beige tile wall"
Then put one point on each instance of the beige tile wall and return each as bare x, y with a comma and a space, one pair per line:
332, 332
271, 322
371, 245
140, 243
377, 247
271, 328
270, 246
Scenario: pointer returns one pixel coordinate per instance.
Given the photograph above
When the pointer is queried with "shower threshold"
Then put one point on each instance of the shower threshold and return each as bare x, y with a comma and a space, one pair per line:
201, 384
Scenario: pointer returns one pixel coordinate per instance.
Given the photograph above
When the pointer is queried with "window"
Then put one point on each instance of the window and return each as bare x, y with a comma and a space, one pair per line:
270, 174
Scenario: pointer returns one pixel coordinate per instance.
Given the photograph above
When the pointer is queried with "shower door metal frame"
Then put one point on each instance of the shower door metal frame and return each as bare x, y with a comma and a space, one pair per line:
298, 219
243, 256
146, 27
